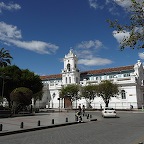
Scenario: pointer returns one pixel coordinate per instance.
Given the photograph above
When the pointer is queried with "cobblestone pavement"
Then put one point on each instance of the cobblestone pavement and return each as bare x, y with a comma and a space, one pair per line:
128, 128
40, 120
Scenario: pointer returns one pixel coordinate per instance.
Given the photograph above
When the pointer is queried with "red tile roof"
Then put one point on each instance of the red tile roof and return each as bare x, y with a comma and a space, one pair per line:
92, 72
108, 70
55, 76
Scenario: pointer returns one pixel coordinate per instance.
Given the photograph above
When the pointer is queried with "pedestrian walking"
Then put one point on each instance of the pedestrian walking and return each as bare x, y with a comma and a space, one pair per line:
79, 117
79, 109
131, 107
83, 110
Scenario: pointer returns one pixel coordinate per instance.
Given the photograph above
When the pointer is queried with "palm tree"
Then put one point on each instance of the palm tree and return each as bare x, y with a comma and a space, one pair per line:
5, 58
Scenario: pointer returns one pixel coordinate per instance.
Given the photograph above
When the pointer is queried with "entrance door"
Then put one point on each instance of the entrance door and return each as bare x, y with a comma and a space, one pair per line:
67, 103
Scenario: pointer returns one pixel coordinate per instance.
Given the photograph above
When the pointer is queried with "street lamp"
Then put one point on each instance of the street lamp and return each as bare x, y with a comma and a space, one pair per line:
2, 89
53, 96
59, 104
3, 78
76, 101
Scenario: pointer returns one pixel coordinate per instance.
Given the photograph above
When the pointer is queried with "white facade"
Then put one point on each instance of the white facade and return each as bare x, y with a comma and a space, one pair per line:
129, 79
70, 73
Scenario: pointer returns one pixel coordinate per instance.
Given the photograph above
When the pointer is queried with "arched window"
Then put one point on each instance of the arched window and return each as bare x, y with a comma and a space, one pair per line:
68, 67
123, 94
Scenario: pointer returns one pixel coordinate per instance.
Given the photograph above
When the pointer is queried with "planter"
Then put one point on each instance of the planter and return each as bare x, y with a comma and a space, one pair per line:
5, 113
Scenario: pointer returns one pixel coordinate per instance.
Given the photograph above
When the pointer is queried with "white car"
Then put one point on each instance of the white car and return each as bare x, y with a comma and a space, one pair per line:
108, 112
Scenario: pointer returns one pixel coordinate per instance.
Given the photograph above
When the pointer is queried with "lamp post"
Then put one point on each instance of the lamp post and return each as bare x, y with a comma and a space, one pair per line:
53, 95
3, 78
59, 104
76, 101
89, 102
2, 89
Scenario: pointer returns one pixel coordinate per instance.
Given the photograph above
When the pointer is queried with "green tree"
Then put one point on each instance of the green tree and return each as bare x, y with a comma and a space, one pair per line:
21, 97
19, 78
37, 96
71, 91
106, 90
135, 27
10, 80
5, 58
89, 93
31, 80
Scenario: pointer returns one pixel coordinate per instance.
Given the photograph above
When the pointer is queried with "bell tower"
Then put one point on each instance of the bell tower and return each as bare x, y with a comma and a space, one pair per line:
70, 73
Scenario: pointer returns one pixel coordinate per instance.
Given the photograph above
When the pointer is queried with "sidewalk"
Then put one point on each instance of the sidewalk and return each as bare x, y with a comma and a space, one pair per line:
38, 121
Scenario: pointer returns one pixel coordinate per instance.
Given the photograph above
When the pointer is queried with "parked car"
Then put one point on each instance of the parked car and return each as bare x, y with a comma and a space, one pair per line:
108, 112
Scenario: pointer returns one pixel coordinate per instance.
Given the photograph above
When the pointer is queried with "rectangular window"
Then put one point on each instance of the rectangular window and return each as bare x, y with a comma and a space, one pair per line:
97, 78
92, 78
69, 79
126, 75
111, 76
76, 79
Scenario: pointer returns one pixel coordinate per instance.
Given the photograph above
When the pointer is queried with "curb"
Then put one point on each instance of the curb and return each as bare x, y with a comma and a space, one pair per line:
93, 120
38, 128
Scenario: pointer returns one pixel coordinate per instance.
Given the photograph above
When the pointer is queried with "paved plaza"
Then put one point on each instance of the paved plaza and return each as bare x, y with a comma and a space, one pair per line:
127, 128
39, 121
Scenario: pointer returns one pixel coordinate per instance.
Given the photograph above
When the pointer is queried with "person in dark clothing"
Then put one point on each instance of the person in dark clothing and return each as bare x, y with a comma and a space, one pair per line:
78, 116
131, 107
79, 108
83, 110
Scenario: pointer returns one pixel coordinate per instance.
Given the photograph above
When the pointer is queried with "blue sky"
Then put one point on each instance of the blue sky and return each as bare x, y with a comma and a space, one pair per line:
38, 33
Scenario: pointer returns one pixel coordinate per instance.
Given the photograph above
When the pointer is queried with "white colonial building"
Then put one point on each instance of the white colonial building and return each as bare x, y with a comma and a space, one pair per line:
129, 79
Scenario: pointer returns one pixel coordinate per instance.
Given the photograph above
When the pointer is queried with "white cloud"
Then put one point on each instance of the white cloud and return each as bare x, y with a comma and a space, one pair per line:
120, 36
139, 30
86, 52
87, 49
107, 2
94, 4
126, 4
36, 46
90, 44
123, 3
141, 55
10, 34
112, 5
94, 61
9, 6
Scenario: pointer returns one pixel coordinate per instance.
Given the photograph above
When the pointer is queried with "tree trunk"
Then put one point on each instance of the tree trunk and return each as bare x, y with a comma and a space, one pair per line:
106, 103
